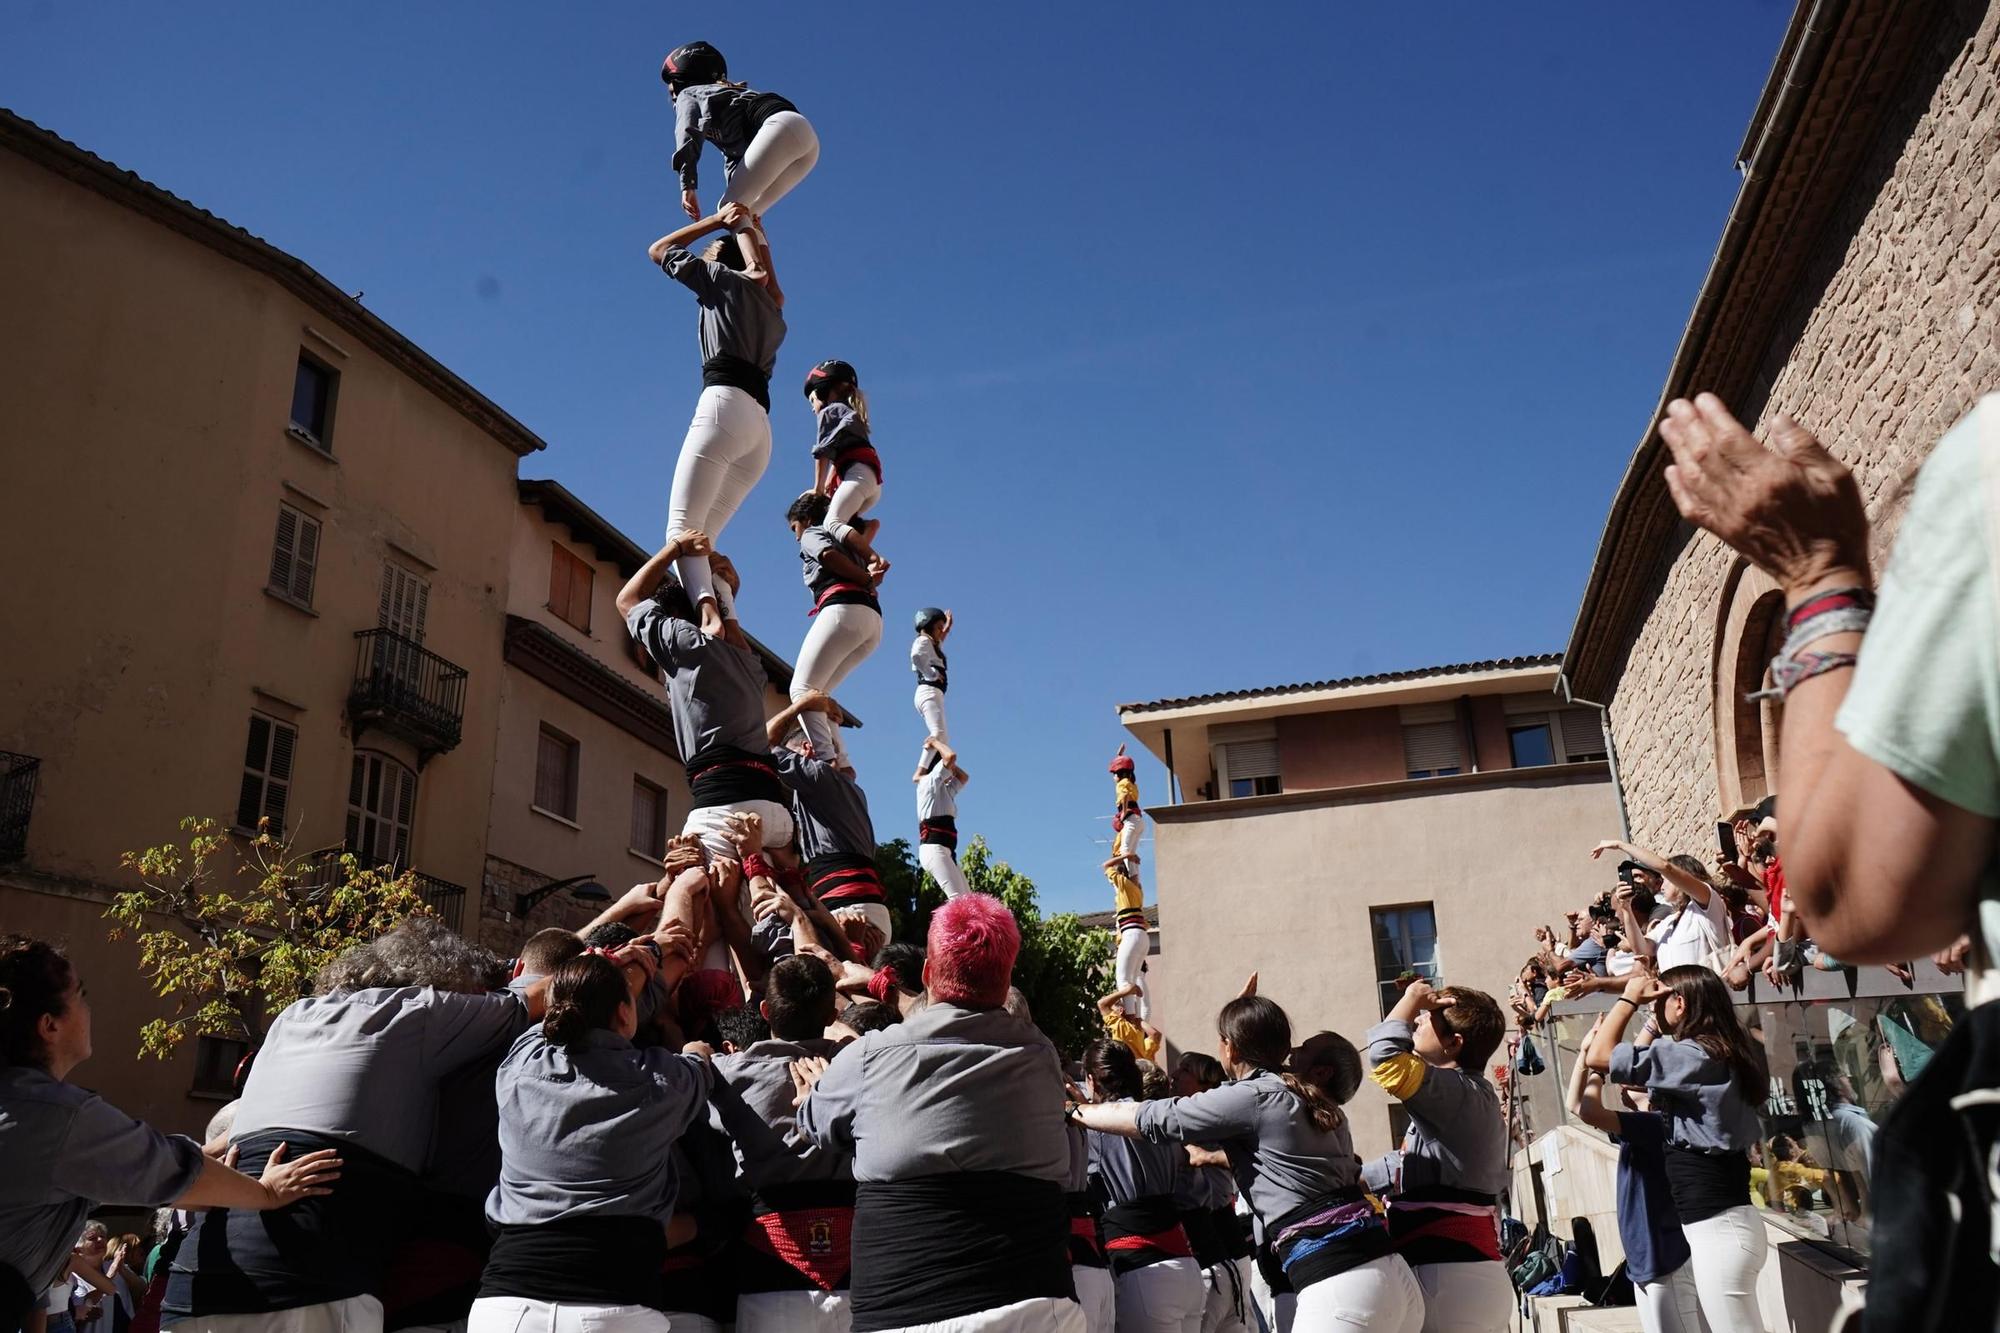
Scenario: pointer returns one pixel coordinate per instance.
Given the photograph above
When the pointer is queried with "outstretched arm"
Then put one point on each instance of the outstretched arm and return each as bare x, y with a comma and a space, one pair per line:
1694, 886
640, 586
1586, 1085
814, 702
679, 240
1107, 1003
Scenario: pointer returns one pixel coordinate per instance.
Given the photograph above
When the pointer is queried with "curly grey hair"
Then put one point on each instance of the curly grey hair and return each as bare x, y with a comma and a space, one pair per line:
418, 951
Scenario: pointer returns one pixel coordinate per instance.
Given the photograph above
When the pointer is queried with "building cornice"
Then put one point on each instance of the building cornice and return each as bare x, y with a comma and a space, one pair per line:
539, 652
1838, 72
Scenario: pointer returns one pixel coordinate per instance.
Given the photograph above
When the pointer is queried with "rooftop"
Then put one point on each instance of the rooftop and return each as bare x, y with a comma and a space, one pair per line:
1417, 674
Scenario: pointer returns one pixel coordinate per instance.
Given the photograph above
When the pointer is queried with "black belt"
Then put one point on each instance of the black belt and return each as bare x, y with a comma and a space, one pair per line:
723, 371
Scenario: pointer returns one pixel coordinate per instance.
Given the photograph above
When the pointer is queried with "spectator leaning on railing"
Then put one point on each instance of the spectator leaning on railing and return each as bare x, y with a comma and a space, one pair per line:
1891, 739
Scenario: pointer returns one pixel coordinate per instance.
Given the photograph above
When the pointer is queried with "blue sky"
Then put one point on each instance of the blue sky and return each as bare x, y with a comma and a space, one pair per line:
1207, 349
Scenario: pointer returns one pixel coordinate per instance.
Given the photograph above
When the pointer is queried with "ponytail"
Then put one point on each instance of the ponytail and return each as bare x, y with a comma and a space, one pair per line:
584, 995
859, 402
1320, 1108
1261, 1035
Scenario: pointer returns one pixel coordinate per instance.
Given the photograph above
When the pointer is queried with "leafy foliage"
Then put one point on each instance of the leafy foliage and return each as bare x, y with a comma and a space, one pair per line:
230, 955
1063, 966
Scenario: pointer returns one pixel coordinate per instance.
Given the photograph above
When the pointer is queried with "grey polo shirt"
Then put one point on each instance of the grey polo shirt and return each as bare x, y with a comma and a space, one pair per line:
589, 1130
1279, 1157
1696, 1092
720, 114
840, 427
752, 1104
1134, 1169
738, 317
947, 1090
364, 1067
65, 1151
716, 688
1457, 1137
829, 808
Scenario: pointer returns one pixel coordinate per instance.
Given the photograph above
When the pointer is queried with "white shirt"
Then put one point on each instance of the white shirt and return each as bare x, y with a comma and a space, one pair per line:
1683, 937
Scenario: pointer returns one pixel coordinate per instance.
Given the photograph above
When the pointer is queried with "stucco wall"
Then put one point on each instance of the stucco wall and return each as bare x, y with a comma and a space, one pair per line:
1889, 340
1283, 887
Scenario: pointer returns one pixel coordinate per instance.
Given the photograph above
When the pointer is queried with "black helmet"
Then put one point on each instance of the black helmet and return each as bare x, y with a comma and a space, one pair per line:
929, 616
696, 62
831, 372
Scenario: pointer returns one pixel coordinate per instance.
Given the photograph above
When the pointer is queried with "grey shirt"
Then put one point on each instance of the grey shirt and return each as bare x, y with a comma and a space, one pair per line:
589, 1130
814, 543
65, 1152
364, 1067
840, 428
829, 808
1280, 1159
1695, 1091
1457, 1138
752, 1104
720, 114
1134, 1169
738, 317
946, 1090
716, 688
937, 793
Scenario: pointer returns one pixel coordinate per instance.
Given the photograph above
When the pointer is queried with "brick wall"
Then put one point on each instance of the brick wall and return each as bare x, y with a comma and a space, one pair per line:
1888, 340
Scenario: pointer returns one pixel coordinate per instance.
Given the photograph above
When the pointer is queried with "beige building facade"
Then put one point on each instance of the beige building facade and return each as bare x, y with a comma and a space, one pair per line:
277, 562
1332, 836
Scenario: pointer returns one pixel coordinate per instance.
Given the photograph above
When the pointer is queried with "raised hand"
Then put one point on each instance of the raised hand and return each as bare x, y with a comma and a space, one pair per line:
691, 204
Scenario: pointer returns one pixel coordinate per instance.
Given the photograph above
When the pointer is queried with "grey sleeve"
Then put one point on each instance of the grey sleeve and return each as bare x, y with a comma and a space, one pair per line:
1386, 1040
687, 1080
1227, 1112
687, 139
670, 641
694, 273
459, 1029
1666, 1065
816, 542
827, 1114
108, 1157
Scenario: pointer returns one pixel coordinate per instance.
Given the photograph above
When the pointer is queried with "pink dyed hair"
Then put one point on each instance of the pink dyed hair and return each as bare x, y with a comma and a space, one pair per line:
971, 950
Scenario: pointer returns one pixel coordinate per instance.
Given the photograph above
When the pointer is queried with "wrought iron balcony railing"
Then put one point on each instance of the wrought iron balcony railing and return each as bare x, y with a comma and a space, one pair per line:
407, 690
18, 774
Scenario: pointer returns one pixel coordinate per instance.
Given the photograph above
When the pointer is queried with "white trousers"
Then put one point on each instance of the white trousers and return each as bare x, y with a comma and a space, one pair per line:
1728, 1253
711, 824
930, 707
1466, 1298
1041, 1314
1381, 1296
1671, 1304
841, 638
727, 448
785, 149
1094, 1292
356, 1314
1131, 956
877, 914
517, 1314
1166, 1297
943, 867
1227, 1309
682, 1322
812, 1311
856, 495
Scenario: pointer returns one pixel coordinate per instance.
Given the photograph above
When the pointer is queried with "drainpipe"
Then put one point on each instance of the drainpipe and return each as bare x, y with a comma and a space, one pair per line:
1610, 751
1173, 778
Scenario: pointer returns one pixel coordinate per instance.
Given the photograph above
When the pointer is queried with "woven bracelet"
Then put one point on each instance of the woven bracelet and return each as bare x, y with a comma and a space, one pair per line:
1788, 671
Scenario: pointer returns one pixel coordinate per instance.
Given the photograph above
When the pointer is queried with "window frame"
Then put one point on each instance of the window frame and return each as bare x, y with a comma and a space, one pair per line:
360, 817
657, 853
565, 566
1223, 740
320, 440
1532, 722
574, 751
265, 776
225, 1087
1385, 986
302, 524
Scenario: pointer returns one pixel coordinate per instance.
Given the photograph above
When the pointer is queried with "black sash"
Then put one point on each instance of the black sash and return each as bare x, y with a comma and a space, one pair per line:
942, 1247
582, 1261
732, 372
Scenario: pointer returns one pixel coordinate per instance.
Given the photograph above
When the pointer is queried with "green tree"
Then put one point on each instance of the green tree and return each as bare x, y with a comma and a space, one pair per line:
228, 956
1064, 966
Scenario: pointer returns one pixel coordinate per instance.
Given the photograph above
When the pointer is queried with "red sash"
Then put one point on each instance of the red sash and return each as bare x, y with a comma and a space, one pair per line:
817, 1242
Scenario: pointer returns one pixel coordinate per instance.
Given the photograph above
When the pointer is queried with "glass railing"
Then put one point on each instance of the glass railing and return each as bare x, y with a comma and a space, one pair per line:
1841, 1049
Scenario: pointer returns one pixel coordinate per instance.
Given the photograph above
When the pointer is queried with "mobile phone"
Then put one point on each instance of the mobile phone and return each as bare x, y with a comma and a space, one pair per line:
1725, 839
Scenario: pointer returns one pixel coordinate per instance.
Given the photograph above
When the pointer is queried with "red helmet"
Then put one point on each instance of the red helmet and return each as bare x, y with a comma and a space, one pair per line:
1123, 764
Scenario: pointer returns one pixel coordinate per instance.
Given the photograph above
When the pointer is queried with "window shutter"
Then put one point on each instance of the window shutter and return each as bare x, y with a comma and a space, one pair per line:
1582, 735
647, 807
579, 594
559, 581
278, 782
282, 548
305, 560
1430, 746
250, 796
406, 802
554, 781
1250, 759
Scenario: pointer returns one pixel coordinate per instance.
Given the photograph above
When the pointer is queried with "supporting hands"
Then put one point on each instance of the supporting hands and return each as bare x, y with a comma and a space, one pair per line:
805, 1076
288, 1182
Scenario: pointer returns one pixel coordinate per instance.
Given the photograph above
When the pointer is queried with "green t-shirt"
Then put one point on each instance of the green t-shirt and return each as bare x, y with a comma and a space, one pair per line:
1925, 700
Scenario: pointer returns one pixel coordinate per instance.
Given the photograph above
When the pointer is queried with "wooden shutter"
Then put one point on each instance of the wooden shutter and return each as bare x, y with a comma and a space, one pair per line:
283, 547
1430, 746
305, 562
294, 555
648, 815
1250, 759
555, 781
250, 797
267, 773
278, 784
1582, 735
405, 603
570, 580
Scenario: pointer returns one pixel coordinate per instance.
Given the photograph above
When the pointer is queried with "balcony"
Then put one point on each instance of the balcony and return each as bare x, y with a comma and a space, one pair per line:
18, 774
322, 870
445, 898
407, 691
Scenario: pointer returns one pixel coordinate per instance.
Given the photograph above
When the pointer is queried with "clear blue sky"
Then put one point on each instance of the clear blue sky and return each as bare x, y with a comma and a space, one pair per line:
1208, 348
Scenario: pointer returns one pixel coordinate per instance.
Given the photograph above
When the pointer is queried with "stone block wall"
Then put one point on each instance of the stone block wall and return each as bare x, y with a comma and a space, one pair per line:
1890, 338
